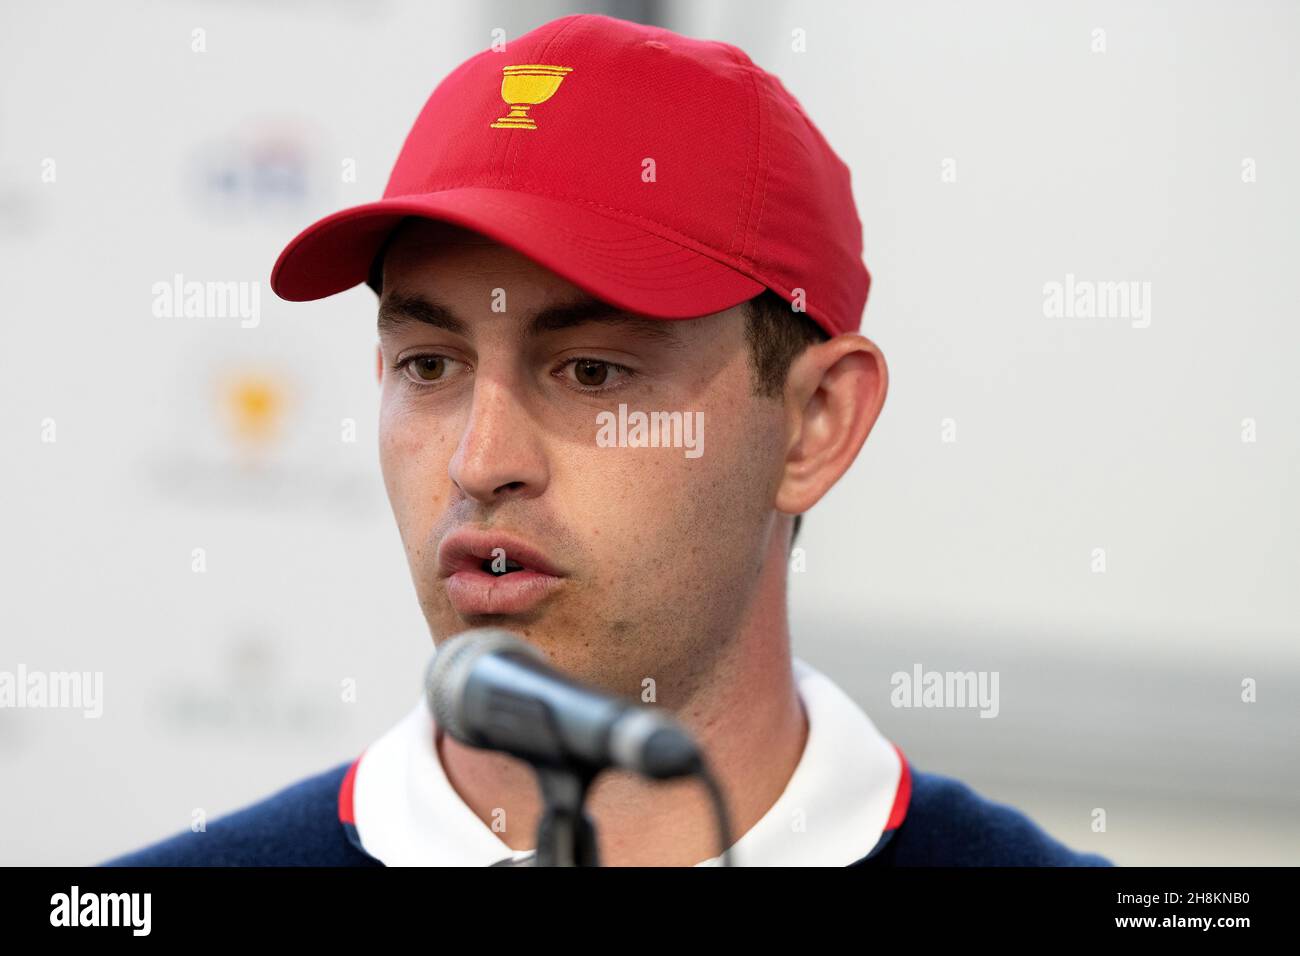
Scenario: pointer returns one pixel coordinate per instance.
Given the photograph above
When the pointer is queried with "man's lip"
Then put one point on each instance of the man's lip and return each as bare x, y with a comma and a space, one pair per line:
468, 548
475, 592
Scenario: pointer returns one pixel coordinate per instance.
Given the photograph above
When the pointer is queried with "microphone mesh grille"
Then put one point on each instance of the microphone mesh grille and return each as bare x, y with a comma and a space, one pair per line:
451, 666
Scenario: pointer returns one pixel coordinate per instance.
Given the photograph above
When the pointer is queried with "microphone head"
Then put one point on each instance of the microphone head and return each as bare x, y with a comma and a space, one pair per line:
452, 663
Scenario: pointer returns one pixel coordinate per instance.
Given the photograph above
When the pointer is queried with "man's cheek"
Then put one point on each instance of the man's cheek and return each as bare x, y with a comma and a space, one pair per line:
646, 506
415, 476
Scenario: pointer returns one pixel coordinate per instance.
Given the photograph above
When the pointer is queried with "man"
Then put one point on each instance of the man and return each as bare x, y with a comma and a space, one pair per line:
620, 490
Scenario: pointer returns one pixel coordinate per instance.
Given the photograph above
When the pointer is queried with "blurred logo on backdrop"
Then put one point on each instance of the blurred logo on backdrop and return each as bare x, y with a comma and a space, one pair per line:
250, 440
247, 692
264, 167
253, 405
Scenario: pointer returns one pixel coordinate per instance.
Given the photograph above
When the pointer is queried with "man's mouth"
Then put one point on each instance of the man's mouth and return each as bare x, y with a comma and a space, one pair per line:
492, 552
491, 572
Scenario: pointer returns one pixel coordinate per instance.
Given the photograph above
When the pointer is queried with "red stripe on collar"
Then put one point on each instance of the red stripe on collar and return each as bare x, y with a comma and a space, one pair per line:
903, 795
346, 813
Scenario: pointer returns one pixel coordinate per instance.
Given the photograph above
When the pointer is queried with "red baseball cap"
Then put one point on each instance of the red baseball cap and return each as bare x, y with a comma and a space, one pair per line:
662, 174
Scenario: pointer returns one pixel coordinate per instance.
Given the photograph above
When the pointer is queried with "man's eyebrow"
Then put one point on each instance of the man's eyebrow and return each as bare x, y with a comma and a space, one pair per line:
398, 310
568, 315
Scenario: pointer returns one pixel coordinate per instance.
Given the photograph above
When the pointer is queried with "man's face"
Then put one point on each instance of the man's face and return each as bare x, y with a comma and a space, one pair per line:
494, 372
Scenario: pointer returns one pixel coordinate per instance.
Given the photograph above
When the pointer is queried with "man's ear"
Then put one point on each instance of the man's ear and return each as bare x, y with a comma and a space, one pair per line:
833, 394
379, 364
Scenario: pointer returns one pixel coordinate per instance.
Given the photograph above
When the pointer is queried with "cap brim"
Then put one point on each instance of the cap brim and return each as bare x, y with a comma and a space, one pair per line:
625, 265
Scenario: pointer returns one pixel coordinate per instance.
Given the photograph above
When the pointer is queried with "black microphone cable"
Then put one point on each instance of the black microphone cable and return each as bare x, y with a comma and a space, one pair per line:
671, 753
711, 784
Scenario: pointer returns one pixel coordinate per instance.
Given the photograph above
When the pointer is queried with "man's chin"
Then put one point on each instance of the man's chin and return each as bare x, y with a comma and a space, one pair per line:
532, 624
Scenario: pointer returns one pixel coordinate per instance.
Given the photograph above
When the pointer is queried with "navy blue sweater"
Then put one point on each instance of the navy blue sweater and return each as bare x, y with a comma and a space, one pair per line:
947, 824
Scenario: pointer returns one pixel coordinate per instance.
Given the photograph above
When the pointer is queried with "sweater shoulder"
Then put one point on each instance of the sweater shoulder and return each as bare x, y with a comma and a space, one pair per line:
950, 824
296, 826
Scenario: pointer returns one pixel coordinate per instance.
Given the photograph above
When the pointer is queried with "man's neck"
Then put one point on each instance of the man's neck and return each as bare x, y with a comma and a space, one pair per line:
747, 718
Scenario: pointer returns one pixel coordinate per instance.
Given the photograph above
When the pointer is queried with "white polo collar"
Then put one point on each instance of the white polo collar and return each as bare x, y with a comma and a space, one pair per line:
847, 795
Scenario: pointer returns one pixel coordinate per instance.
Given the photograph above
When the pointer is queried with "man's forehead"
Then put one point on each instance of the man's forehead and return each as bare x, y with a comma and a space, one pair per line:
423, 253
420, 290
416, 229
417, 239
400, 309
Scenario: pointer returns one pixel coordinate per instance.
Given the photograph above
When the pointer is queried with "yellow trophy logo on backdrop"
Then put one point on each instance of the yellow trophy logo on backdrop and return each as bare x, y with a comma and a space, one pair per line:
525, 86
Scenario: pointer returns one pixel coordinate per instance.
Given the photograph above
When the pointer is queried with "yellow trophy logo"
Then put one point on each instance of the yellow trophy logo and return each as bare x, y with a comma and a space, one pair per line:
525, 86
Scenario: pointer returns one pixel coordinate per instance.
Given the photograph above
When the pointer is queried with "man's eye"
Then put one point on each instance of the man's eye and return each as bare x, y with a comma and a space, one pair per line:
593, 375
425, 368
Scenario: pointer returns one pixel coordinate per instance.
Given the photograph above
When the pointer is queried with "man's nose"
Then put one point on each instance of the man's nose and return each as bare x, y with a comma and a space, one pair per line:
500, 453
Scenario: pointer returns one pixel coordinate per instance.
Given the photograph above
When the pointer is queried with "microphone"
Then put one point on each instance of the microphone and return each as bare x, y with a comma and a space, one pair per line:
489, 688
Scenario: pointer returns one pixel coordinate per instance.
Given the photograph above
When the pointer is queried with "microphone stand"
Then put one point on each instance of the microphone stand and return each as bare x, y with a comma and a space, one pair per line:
565, 834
